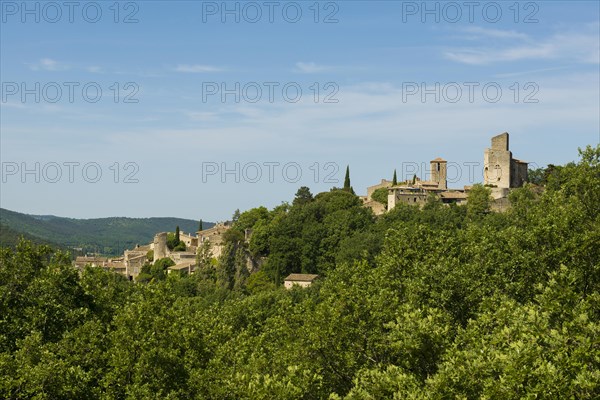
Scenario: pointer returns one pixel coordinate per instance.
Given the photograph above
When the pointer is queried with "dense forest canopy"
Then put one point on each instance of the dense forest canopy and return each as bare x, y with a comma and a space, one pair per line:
433, 303
108, 236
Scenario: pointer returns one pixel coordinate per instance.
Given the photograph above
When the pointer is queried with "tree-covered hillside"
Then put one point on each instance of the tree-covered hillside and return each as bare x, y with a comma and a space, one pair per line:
103, 235
10, 238
434, 303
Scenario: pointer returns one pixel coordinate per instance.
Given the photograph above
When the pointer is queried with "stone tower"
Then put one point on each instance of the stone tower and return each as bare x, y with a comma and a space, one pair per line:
438, 172
160, 246
500, 169
496, 163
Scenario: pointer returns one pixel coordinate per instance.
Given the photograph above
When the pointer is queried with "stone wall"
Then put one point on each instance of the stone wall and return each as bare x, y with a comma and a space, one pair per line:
384, 183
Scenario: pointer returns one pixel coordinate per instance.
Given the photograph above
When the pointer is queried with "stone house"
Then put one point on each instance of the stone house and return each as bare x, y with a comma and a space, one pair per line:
214, 236
302, 280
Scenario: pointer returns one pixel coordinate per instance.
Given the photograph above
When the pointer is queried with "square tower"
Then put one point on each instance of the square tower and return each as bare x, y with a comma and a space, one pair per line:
500, 169
497, 163
438, 172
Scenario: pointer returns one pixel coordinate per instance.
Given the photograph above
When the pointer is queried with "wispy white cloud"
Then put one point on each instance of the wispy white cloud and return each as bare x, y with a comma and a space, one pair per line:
48, 64
202, 116
310, 68
477, 32
528, 72
94, 69
580, 47
196, 68
12, 104
385, 114
483, 56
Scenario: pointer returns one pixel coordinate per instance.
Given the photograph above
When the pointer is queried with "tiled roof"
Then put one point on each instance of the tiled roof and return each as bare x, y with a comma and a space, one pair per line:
301, 277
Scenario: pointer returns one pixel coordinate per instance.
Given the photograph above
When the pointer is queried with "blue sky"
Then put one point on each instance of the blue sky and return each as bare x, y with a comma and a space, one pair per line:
399, 83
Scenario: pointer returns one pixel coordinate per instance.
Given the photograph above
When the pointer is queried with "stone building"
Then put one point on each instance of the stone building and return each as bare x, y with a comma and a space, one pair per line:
214, 236
132, 261
417, 192
302, 280
109, 264
501, 173
184, 266
500, 169
407, 194
371, 189
191, 242
439, 172
82, 261
135, 259
368, 201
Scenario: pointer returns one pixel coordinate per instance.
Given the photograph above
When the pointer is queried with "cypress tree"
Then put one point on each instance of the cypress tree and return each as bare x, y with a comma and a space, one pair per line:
394, 179
200, 225
347, 178
177, 235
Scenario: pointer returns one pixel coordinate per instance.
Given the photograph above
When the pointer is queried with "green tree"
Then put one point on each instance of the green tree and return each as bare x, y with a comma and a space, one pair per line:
229, 272
248, 219
171, 240
205, 264
479, 201
539, 349
432, 302
381, 196
347, 185
394, 179
156, 271
536, 176
303, 196
258, 282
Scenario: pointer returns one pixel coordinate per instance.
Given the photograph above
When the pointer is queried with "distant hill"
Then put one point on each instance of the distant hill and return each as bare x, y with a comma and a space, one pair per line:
108, 236
9, 237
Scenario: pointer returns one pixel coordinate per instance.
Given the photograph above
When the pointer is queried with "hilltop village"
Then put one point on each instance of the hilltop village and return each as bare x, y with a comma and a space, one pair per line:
502, 173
